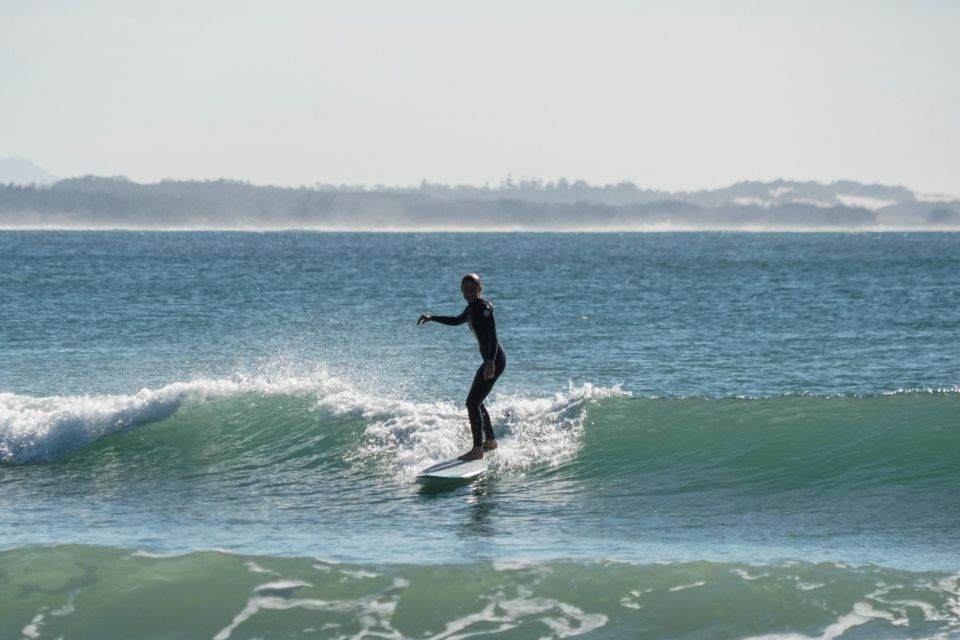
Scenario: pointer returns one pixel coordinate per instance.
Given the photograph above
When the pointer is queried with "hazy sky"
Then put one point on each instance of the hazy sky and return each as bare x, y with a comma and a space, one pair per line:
674, 95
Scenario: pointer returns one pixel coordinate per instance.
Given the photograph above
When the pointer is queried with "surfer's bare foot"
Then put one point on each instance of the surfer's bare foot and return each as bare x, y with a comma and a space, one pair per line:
490, 444
474, 454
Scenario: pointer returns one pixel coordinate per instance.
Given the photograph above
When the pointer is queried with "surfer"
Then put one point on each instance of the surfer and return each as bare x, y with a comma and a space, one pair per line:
478, 314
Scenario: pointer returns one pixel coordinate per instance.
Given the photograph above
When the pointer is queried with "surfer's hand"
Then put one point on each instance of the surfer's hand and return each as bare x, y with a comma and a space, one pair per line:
423, 318
489, 371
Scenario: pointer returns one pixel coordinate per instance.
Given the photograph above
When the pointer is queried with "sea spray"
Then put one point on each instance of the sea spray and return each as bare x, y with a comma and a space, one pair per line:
403, 437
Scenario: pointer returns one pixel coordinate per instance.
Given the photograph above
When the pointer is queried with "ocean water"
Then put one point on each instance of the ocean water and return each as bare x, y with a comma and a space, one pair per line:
702, 435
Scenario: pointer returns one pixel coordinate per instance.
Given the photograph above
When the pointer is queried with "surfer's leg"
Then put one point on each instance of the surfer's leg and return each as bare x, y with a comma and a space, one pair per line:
487, 427
480, 423
478, 391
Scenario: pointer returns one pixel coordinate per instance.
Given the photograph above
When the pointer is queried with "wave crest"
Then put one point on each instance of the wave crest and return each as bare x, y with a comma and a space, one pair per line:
36, 429
403, 435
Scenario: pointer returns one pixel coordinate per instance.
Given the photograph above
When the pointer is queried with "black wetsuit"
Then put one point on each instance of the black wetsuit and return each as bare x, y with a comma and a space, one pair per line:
479, 315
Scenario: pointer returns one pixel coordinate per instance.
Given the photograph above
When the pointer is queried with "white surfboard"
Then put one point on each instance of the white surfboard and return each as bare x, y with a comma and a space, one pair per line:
457, 469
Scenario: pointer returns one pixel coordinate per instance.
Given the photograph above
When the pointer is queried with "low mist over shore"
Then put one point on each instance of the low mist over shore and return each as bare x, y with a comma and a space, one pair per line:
529, 205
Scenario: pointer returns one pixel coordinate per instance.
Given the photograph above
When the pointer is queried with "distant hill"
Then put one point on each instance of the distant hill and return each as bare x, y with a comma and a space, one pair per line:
96, 202
22, 171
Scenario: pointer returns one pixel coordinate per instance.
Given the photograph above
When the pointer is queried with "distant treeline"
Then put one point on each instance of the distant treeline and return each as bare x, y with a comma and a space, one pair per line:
628, 193
94, 202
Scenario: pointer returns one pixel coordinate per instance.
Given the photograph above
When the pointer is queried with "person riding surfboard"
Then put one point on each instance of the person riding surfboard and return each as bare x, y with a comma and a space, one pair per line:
478, 314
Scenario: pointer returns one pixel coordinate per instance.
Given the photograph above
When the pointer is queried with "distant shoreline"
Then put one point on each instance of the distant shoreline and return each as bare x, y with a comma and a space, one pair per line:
528, 206
599, 231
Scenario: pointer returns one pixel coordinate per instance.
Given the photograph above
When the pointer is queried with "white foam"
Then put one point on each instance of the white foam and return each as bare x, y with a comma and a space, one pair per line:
359, 574
519, 565
563, 619
747, 576
281, 586
946, 587
66, 609
571, 621
374, 612
34, 429
930, 612
32, 630
630, 601
41, 428
253, 567
405, 437
402, 437
862, 613
546, 431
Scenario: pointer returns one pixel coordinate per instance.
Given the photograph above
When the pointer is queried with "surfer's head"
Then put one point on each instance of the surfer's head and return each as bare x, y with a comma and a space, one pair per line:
470, 287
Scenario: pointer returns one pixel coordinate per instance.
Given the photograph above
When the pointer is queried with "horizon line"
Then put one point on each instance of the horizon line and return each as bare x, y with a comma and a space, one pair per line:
651, 229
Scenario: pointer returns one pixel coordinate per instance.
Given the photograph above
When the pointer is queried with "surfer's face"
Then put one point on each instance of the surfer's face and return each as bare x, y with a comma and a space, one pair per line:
470, 290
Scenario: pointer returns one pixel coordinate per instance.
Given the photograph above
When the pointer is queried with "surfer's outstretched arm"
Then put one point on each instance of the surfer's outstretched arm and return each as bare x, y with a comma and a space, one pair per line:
447, 320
